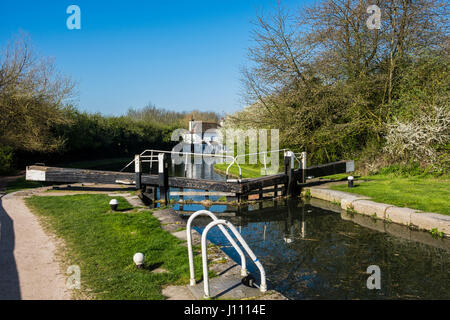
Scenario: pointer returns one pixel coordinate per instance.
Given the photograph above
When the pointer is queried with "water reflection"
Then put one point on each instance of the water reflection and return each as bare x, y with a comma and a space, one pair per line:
203, 170
196, 168
312, 253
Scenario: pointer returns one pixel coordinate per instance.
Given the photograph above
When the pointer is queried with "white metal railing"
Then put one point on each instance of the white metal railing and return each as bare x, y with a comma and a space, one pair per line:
152, 156
265, 157
221, 224
299, 157
224, 231
229, 225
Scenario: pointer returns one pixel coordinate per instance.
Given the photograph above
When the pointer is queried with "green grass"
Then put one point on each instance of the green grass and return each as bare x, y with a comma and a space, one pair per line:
398, 185
338, 176
248, 170
425, 192
103, 243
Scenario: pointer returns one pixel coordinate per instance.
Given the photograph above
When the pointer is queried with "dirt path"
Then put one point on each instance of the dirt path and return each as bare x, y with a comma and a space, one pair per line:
4, 181
28, 266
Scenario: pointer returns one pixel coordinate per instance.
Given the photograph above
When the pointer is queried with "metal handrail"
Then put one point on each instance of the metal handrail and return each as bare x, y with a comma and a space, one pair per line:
234, 159
251, 154
224, 231
187, 153
142, 154
229, 225
257, 153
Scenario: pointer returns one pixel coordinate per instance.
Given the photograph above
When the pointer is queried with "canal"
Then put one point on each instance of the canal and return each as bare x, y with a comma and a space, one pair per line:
312, 253
313, 250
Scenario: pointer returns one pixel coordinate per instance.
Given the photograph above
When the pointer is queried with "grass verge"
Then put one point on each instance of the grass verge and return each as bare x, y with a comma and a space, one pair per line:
103, 243
426, 193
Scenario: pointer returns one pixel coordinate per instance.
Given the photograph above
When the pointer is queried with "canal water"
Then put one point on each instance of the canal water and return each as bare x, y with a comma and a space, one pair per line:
313, 250
312, 253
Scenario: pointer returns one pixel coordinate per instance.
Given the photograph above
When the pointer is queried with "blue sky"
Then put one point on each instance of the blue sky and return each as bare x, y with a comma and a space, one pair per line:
179, 55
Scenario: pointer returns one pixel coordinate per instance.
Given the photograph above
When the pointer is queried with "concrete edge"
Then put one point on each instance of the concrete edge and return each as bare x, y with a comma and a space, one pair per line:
363, 205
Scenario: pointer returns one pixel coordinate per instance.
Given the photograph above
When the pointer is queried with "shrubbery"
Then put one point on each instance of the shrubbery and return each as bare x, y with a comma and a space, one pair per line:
422, 140
339, 90
6, 160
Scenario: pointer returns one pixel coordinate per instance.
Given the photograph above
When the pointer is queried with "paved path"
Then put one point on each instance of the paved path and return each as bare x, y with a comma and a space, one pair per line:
4, 181
28, 266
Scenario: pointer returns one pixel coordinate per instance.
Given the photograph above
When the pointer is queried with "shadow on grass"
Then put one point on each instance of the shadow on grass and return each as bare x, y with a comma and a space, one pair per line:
128, 209
153, 266
87, 188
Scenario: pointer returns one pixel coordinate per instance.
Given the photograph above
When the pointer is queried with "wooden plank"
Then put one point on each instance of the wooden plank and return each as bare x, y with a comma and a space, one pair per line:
222, 188
266, 190
327, 169
70, 175
53, 174
201, 184
257, 183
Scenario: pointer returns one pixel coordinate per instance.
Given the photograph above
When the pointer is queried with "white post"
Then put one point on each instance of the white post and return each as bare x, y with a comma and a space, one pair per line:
292, 159
137, 163
304, 160
304, 166
290, 155
163, 177
137, 170
160, 162
151, 162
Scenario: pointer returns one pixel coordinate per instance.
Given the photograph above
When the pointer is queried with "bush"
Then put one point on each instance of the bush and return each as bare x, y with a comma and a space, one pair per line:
422, 140
6, 160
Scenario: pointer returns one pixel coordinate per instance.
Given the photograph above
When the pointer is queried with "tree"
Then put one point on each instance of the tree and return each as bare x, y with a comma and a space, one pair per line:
162, 117
329, 82
32, 99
